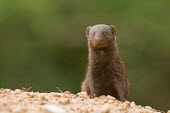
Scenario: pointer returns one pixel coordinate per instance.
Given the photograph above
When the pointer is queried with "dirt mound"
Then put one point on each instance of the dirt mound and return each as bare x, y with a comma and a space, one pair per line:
18, 101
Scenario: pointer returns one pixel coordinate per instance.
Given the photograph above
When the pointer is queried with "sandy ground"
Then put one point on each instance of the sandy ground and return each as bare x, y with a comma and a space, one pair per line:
18, 101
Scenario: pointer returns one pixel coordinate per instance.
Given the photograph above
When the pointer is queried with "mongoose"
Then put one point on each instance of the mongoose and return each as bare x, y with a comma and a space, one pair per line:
106, 72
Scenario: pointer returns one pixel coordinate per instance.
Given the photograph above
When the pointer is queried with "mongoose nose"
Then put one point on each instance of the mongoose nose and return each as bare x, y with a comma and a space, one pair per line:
98, 40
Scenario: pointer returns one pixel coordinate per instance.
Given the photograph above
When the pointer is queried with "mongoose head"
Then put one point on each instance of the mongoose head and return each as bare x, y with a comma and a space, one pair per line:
101, 36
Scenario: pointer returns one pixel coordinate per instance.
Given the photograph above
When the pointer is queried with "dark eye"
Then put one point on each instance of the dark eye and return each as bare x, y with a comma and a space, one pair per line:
93, 34
104, 33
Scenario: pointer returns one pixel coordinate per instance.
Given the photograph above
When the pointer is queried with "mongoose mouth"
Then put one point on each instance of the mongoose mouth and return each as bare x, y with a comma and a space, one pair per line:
100, 43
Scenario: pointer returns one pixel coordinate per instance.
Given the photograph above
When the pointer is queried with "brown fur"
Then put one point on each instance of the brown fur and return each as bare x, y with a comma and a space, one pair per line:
106, 71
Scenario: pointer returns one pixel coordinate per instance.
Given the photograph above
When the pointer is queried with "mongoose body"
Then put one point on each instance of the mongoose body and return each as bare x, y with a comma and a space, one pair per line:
106, 72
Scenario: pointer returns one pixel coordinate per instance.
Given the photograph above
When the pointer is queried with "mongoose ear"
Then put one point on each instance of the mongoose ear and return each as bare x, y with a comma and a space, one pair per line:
113, 30
88, 31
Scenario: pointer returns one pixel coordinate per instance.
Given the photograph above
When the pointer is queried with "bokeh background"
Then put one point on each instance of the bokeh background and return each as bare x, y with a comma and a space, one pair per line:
43, 44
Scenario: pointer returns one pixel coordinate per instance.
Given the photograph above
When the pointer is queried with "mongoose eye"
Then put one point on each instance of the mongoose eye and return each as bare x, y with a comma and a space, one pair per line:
104, 33
93, 34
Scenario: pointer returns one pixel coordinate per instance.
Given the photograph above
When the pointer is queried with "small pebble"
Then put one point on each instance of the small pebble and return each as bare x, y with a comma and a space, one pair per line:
132, 104
54, 109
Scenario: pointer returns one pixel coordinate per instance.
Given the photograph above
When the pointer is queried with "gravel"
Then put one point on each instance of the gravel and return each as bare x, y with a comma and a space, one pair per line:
18, 101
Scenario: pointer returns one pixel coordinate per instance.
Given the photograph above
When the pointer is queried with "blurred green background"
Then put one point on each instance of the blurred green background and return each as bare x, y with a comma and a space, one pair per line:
43, 44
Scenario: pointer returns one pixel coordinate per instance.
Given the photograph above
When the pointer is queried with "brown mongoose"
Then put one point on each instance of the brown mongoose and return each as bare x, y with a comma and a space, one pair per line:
106, 72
